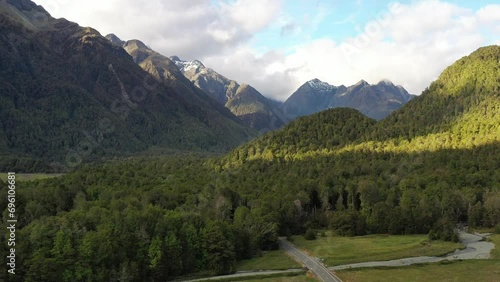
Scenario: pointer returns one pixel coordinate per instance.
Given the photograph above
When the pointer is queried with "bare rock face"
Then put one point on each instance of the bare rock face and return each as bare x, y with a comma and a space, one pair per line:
214, 84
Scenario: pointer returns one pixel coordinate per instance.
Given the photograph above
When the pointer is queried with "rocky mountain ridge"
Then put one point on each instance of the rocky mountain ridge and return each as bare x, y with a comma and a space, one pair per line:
375, 101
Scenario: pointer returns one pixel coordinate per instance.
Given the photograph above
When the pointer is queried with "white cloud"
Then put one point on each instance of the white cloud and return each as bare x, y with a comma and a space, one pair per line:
411, 48
406, 46
252, 15
188, 28
489, 14
409, 44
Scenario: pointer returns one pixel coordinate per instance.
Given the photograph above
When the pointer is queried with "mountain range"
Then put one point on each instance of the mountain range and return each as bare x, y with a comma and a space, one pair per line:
375, 101
255, 110
243, 100
260, 112
145, 99
68, 95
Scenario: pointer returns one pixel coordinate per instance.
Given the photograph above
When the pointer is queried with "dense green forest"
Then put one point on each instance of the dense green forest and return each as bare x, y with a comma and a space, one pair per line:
427, 167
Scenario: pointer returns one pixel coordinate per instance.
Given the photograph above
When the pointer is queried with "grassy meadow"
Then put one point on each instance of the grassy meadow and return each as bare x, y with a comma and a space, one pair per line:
336, 250
468, 270
272, 260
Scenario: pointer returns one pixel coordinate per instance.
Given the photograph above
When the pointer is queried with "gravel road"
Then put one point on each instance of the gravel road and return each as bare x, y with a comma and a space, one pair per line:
475, 248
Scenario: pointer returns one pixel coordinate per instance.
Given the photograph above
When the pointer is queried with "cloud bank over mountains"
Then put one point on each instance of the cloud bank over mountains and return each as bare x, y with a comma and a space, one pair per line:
408, 43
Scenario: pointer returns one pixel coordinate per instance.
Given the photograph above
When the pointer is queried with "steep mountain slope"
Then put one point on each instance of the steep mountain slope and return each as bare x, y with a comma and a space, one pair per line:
376, 101
463, 103
68, 94
244, 101
255, 110
153, 62
219, 87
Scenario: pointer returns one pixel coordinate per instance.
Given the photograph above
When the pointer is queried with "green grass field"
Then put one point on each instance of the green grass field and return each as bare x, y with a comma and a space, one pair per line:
299, 278
30, 176
273, 260
337, 250
472, 270
469, 270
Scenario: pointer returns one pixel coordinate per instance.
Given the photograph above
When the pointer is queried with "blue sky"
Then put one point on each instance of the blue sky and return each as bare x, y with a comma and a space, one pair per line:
306, 20
303, 20
277, 45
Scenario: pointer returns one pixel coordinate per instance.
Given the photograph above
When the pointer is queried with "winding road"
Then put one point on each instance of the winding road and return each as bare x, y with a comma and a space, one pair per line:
311, 263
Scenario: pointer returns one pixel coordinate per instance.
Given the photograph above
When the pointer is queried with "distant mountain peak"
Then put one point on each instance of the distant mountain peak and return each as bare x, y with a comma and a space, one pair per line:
315, 80
254, 109
197, 63
186, 66
319, 85
115, 39
136, 43
386, 82
376, 101
175, 58
362, 82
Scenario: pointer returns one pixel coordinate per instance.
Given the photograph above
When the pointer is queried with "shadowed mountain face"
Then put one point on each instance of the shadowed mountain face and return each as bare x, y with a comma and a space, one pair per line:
69, 95
255, 110
375, 101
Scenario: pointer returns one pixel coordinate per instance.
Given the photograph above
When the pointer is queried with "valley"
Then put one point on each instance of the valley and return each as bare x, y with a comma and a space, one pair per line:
133, 165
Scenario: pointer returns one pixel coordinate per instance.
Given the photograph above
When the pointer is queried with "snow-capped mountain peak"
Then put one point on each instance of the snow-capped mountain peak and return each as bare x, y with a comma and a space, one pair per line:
386, 82
319, 85
186, 66
362, 83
